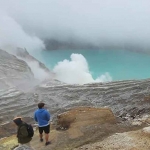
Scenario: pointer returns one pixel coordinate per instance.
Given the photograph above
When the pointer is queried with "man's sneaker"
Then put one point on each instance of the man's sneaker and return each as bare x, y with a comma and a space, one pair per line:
41, 140
47, 143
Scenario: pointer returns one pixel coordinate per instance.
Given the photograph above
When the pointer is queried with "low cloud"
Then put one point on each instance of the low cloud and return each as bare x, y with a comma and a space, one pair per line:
12, 35
106, 24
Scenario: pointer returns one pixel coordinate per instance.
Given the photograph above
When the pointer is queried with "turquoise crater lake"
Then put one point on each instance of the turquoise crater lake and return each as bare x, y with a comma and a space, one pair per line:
120, 64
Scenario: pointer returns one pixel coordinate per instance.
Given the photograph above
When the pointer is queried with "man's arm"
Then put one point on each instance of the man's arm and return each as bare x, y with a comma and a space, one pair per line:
48, 116
35, 118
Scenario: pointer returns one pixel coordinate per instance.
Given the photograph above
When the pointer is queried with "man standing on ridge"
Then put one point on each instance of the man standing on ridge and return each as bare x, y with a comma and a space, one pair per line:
42, 116
22, 134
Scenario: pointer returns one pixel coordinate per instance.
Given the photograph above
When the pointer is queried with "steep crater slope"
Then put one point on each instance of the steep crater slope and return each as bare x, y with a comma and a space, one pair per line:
16, 79
125, 98
13, 71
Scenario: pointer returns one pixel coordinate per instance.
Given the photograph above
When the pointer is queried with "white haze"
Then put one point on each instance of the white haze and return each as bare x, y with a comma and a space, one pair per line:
38, 72
76, 71
109, 22
25, 23
12, 35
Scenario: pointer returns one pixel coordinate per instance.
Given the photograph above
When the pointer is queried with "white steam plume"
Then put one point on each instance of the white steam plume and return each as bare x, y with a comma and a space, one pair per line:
76, 71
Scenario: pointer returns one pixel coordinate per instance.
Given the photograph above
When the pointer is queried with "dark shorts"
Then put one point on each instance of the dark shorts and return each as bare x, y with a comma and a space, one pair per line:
46, 129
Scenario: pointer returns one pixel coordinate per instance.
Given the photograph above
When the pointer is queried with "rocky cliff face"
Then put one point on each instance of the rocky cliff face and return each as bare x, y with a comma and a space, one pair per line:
13, 71
23, 54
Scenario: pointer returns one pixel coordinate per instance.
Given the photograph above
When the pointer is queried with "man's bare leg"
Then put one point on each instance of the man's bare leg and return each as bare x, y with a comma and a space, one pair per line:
41, 137
46, 137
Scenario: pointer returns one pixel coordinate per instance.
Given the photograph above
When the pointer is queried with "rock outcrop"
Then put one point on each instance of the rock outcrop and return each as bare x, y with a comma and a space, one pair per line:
84, 116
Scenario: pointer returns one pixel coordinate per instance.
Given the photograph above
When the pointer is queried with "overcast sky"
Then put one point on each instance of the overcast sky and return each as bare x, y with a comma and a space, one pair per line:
25, 23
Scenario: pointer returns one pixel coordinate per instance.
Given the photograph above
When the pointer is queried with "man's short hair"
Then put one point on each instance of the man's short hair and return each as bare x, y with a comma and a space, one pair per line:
41, 105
